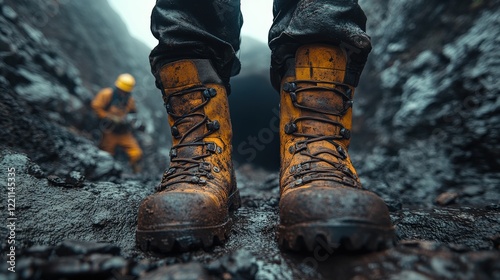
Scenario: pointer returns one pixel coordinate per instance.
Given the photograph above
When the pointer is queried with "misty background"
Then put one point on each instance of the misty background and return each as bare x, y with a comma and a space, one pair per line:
254, 103
257, 16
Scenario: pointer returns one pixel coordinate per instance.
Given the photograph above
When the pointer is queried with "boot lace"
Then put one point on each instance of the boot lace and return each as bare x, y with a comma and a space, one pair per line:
191, 169
337, 170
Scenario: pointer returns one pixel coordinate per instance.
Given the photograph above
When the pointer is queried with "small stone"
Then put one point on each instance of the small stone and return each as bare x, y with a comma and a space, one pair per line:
459, 248
75, 179
393, 205
252, 203
60, 268
40, 251
493, 207
35, 171
108, 262
446, 198
192, 270
239, 265
26, 268
142, 267
114, 264
56, 180
76, 248
472, 191
9, 13
273, 202
422, 244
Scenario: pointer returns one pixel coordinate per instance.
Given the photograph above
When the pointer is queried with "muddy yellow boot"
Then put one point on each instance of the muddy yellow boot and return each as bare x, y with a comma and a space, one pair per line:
191, 206
322, 202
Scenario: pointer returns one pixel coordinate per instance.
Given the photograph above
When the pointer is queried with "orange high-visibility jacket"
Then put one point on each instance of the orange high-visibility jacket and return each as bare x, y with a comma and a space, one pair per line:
104, 104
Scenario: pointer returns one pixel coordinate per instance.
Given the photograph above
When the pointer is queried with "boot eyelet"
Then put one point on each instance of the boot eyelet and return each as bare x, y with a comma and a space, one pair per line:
298, 167
290, 128
291, 150
170, 171
348, 104
195, 179
213, 92
173, 154
289, 87
213, 125
209, 93
346, 133
306, 179
175, 132
216, 169
168, 107
212, 147
342, 152
205, 166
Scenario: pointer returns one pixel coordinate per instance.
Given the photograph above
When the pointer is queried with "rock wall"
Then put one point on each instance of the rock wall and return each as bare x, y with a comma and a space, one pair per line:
429, 101
55, 56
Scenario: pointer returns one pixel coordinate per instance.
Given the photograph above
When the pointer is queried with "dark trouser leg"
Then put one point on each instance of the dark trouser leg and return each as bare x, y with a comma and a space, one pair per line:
197, 29
336, 22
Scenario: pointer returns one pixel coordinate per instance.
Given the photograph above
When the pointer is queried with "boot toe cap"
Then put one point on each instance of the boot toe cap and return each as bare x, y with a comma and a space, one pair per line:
333, 205
180, 209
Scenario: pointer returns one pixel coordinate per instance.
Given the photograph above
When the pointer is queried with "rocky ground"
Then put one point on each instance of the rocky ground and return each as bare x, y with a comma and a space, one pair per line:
426, 134
80, 229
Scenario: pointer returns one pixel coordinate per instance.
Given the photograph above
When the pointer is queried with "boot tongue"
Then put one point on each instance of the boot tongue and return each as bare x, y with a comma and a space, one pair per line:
179, 74
320, 63
176, 77
184, 105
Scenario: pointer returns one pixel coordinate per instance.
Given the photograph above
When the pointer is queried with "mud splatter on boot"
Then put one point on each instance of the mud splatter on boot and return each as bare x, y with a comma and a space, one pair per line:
322, 202
191, 206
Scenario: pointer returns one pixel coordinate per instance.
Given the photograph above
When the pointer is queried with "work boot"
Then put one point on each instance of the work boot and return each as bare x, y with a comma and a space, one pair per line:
191, 206
322, 202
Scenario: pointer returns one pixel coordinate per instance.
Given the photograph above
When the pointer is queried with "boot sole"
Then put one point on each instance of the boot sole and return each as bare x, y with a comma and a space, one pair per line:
187, 238
338, 236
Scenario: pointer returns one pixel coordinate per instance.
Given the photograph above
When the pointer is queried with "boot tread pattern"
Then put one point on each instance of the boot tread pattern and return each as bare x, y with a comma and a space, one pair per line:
337, 237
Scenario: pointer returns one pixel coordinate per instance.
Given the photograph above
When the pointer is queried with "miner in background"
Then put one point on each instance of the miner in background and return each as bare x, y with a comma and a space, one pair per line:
319, 49
112, 106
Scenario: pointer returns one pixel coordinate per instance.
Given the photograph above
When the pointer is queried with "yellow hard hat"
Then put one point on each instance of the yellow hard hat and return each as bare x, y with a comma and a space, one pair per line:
125, 82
